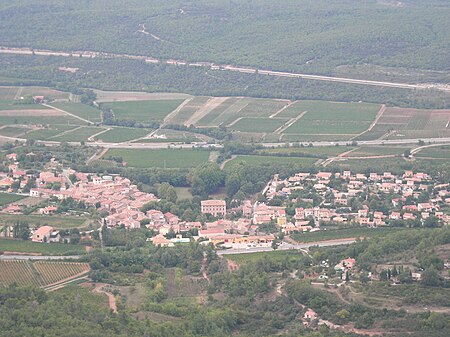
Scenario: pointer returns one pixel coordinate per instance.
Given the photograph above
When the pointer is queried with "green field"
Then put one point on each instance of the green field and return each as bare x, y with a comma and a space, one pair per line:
117, 135
8, 245
442, 152
78, 135
318, 151
44, 134
170, 158
208, 120
56, 221
258, 124
81, 110
343, 233
333, 118
143, 111
13, 105
188, 109
260, 160
7, 198
377, 151
279, 255
11, 131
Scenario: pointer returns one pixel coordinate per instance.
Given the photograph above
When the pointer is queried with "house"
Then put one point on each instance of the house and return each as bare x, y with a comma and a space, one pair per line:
48, 210
13, 209
214, 207
310, 315
42, 234
160, 240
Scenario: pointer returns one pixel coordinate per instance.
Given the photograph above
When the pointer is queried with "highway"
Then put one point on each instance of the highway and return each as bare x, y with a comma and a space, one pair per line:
230, 68
286, 246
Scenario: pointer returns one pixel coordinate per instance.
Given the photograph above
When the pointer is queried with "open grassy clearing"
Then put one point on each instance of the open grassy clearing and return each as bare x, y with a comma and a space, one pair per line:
261, 160
170, 158
81, 110
258, 124
189, 109
278, 255
56, 221
117, 135
47, 133
143, 111
20, 246
78, 135
377, 151
12, 131
183, 193
344, 233
8, 198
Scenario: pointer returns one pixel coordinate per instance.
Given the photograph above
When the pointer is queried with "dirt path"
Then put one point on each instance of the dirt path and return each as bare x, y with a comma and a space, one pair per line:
289, 123
68, 113
222, 166
206, 108
64, 132
169, 117
97, 155
282, 109
112, 300
203, 269
18, 93
91, 138
378, 116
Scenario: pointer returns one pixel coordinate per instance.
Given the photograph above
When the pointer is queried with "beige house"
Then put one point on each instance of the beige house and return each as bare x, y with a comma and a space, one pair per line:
214, 207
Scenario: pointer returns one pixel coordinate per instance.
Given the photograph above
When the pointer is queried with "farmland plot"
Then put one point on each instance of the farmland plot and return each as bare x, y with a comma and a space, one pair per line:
413, 123
143, 111
81, 110
40, 273
188, 110
117, 135
331, 118
208, 120
258, 124
12, 131
78, 134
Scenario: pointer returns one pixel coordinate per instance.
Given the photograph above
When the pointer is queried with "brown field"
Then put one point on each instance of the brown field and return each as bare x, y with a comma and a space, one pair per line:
413, 123
120, 96
38, 112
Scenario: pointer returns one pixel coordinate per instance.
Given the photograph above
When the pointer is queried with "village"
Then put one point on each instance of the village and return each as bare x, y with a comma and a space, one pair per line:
304, 202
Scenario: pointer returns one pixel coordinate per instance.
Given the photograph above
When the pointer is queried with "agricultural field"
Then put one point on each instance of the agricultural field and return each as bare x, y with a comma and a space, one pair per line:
125, 96
279, 255
20, 246
8, 198
170, 158
258, 124
260, 160
78, 134
48, 133
56, 221
377, 151
326, 151
117, 135
411, 123
188, 110
143, 111
332, 118
393, 164
12, 131
81, 110
43, 91
39, 273
441, 152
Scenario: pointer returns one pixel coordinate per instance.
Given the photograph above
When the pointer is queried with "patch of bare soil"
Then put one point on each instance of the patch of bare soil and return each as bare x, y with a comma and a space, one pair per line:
31, 112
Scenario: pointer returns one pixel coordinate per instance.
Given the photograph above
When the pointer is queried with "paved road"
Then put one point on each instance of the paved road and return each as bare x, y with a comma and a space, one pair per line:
211, 65
39, 257
287, 246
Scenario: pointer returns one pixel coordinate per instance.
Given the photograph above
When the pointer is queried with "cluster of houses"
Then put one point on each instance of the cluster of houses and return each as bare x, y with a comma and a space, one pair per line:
336, 190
